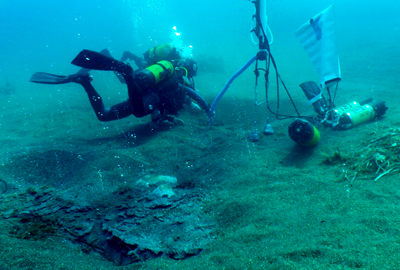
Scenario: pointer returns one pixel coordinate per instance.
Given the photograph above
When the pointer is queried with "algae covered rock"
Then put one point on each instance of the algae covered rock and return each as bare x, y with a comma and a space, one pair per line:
137, 222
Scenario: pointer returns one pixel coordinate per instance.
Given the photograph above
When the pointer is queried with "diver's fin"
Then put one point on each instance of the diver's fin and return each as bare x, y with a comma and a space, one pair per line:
84, 71
314, 94
47, 78
310, 89
94, 60
107, 53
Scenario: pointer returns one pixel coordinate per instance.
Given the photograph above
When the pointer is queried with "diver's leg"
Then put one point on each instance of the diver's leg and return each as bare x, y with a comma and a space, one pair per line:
97, 61
118, 111
107, 53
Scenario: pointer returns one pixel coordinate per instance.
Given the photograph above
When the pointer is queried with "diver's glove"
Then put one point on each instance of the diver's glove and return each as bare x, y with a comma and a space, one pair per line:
172, 120
157, 118
179, 122
195, 108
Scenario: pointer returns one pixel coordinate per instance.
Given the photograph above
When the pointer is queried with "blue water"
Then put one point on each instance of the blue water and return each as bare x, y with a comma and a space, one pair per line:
47, 34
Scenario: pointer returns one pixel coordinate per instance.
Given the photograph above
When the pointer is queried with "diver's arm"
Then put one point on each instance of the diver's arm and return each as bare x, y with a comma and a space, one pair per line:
140, 63
118, 111
198, 98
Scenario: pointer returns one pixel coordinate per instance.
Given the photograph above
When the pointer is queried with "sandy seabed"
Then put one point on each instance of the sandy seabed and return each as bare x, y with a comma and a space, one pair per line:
275, 205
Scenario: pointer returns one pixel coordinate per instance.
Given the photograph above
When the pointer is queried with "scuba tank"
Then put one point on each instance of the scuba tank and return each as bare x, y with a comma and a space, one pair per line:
161, 52
363, 113
154, 74
336, 112
346, 107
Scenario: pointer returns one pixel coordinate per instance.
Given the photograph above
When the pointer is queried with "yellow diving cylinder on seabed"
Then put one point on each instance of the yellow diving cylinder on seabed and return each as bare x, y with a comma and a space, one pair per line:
338, 111
154, 74
361, 114
346, 107
304, 133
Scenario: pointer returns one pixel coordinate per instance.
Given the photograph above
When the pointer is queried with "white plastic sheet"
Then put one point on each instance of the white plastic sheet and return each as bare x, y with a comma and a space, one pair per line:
319, 40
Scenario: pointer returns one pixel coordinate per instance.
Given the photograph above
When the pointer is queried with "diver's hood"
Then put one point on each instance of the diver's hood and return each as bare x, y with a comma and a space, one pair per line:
191, 67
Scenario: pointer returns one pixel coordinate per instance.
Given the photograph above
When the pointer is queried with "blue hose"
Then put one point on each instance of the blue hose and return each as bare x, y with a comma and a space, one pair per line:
231, 79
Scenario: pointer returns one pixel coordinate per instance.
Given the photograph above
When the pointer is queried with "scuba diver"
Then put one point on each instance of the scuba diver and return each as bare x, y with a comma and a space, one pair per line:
160, 90
163, 52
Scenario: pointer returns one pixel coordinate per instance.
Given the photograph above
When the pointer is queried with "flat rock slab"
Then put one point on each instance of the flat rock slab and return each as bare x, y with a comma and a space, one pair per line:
131, 224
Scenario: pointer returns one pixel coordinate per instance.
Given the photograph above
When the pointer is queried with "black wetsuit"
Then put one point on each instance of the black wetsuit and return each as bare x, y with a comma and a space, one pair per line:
167, 97
162, 101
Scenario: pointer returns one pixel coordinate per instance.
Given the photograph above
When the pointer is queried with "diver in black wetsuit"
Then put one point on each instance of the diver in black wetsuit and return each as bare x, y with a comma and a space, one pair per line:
160, 90
153, 55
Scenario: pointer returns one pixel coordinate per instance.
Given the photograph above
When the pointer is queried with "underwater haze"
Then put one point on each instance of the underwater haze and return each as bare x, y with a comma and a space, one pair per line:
46, 35
78, 193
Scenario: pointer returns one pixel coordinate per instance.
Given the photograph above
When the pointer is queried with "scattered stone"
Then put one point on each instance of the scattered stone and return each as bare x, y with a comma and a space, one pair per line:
163, 191
157, 180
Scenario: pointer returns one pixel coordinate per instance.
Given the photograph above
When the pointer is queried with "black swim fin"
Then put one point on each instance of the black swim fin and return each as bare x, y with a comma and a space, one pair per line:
97, 61
47, 78
84, 71
312, 90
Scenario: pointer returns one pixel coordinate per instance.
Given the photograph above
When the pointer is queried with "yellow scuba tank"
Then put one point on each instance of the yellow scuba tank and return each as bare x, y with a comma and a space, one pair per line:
338, 111
346, 107
154, 74
361, 114
160, 53
304, 133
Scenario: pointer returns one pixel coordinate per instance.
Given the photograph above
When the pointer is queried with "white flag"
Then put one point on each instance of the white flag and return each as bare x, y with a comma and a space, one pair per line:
319, 40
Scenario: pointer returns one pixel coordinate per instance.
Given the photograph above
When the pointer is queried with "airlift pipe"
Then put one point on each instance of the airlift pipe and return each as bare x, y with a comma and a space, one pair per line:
261, 13
232, 78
